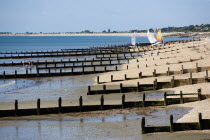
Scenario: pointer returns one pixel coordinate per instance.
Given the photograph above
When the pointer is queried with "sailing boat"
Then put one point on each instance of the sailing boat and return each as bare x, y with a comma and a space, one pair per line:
159, 36
152, 39
133, 39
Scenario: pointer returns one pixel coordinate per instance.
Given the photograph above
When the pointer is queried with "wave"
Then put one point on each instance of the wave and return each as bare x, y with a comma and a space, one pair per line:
7, 84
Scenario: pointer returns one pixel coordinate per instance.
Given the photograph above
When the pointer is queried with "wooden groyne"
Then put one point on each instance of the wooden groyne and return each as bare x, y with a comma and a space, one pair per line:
146, 87
202, 124
102, 106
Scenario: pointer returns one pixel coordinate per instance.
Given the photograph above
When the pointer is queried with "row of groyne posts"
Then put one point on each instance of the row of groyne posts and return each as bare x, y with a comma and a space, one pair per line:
82, 67
168, 99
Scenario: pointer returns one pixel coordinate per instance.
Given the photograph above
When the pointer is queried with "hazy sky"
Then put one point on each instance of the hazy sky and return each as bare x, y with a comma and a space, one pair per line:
98, 15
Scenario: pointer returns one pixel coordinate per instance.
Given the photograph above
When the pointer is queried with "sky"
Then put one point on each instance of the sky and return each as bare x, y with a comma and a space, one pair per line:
99, 15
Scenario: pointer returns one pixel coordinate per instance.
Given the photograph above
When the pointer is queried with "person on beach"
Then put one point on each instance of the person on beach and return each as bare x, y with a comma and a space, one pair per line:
151, 53
26, 67
29, 63
158, 52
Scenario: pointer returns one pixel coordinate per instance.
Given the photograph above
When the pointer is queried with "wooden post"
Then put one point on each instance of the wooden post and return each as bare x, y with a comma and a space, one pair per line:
143, 125
94, 69
97, 79
154, 73
38, 106
155, 84
59, 105
168, 72
207, 75
89, 90
105, 68
165, 99
171, 124
172, 82
199, 94
182, 69
181, 98
16, 107
190, 79
196, 67
138, 87
111, 78
127, 67
125, 76
140, 75
102, 102
121, 88
15, 73
143, 100
123, 101
83, 69
116, 68
80, 103
104, 89
200, 121
138, 66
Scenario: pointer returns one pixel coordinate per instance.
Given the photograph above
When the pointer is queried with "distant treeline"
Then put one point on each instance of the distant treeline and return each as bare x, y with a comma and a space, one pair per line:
190, 28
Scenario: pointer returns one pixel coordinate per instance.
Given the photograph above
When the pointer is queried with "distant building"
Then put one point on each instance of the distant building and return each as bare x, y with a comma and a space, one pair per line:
198, 28
109, 30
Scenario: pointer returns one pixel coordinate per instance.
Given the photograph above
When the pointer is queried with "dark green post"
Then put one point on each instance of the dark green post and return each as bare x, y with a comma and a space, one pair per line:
171, 124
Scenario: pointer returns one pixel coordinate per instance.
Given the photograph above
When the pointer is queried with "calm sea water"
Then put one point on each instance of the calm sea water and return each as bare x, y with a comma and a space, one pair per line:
37, 43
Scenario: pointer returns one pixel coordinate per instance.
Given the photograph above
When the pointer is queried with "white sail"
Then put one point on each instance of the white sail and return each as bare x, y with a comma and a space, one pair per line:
151, 37
133, 39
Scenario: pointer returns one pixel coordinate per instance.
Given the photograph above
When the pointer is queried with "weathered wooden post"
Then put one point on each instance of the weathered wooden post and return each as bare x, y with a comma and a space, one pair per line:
125, 76
60, 71
16, 107
199, 94
171, 124
59, 105
182, 69
83, 70
49, 71
181, 98
94, 69
200, 121
207, 76
115, 68
165, 99
168, 72
190, 79
105, 69
196, 67
111, 78
138, 87
121, 88
155, 85
80, 103
89, 90
102, 102
97, 79
104, 89
15, 73
140, 75
154, 73
38, 106
172, 82
138, 66
143, 100
143, 125
127, 67
123, 101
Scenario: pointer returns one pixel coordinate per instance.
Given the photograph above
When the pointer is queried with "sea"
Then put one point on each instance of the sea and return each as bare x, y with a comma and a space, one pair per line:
42, 43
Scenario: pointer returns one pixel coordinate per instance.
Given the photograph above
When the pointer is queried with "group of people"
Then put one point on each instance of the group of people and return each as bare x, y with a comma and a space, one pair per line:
28, 66
158, 52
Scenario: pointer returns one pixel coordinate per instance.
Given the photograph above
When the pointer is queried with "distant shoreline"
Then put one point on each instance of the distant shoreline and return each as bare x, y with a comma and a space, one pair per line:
171, 34
90, 34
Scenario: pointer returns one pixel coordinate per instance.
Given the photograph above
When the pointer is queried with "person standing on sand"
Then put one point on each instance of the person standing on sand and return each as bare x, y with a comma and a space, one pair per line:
158, 52
26, 67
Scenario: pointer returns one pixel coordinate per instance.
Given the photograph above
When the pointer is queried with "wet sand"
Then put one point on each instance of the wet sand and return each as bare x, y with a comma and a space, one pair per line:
113, 124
